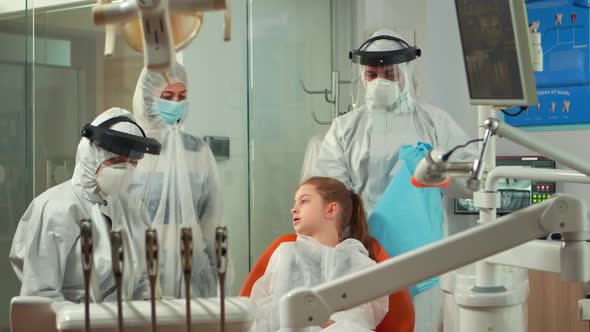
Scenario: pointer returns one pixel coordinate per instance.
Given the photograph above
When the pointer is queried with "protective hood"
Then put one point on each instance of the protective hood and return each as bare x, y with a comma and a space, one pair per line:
89, 156
147, 92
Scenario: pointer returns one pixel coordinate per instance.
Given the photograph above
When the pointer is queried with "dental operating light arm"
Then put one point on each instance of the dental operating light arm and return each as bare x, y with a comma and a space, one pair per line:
154, 16
538, 174
435, 171
548, 150
474, 181
538, 255
305, 307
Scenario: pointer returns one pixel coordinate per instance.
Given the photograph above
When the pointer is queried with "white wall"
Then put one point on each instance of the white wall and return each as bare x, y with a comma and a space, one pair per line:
406, 17
218, 106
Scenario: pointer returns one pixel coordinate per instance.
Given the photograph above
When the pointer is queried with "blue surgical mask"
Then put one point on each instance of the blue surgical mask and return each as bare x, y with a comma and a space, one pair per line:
170, 111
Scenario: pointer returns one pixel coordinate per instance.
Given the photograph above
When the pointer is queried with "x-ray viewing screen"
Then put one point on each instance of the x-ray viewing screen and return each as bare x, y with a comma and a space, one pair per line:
489, 49
516, 194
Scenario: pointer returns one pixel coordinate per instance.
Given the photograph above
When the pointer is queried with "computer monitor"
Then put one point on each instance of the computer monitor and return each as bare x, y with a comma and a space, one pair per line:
516, 194
496, 52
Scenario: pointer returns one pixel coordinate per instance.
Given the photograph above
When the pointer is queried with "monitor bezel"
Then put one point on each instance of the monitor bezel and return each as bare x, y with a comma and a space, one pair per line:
519, 16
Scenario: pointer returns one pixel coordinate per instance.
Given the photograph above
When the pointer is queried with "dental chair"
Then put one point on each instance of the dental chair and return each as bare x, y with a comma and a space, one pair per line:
399, 318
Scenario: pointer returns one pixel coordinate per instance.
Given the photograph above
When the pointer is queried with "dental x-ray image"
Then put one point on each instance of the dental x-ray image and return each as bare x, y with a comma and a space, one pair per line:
515, 194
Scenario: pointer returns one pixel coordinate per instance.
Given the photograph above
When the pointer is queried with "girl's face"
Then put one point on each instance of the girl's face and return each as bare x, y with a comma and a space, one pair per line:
311, 214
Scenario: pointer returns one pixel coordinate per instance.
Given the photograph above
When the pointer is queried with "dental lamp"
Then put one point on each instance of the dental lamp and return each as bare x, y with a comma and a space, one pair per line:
157, 28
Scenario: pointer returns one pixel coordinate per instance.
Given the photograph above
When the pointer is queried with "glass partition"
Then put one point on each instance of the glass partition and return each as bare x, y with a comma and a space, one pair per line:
15, 186
72, 83
285, 50
247, 92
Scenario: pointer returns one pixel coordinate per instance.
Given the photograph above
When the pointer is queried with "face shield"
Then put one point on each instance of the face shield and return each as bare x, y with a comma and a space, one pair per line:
120, 143
382, 76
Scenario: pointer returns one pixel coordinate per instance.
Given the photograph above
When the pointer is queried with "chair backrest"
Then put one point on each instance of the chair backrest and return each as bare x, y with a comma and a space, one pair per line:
400, 316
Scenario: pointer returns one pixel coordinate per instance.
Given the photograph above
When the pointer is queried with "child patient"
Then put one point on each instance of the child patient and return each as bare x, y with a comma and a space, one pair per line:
332, 241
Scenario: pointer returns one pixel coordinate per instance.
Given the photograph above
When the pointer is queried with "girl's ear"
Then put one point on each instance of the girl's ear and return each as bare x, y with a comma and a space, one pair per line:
332, 210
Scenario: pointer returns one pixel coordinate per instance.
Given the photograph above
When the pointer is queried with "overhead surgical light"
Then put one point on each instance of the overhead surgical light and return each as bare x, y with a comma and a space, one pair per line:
158, 28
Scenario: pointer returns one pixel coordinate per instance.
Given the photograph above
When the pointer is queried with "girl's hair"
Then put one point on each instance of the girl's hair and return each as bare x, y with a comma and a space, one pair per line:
352, 211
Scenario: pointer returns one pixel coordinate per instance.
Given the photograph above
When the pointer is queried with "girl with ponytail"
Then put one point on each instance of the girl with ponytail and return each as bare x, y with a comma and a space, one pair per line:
342, 210
332, 241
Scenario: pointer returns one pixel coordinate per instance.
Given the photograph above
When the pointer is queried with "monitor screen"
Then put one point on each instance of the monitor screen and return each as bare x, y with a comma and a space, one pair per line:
490, 49
515, 194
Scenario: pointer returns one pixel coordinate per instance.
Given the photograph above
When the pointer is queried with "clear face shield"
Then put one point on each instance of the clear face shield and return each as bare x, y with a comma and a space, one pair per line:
383, 79
120, 143
114, 174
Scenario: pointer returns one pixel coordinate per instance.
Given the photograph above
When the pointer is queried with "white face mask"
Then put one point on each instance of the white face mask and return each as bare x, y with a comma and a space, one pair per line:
382, 93
114, 179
